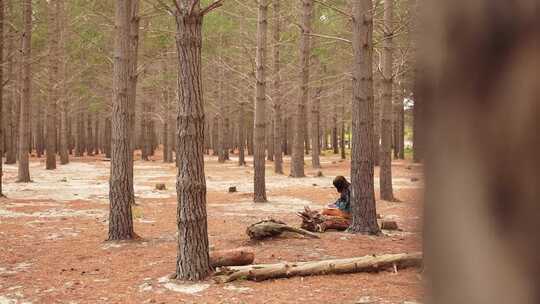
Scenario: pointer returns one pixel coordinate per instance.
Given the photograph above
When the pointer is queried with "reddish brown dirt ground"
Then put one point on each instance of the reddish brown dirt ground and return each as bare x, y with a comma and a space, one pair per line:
52, 233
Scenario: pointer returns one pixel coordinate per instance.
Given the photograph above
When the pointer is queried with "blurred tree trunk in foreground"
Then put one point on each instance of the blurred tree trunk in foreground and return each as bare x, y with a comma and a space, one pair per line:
481, 91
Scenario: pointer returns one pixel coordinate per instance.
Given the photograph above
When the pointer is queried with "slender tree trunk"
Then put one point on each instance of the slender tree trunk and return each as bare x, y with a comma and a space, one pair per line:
193, 261
121, 191
24, 121
221, 139
376, 130
297, 164
89, 134
278, 136
108, 137
241, 135
64, 103
134, 21
342, 135
39, 131
315, 128
362, 184
270, 137
250, 134
53, 86
335, 140
260, 106
215, 136
96, 133
385, 179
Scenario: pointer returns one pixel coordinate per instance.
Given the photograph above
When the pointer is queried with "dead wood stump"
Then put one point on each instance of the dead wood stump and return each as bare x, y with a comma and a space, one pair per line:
233, 190
161, 187
272, 228
316, 222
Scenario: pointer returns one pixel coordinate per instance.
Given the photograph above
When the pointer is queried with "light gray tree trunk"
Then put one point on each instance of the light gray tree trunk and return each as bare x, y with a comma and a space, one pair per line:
26, 84
276, 35
53, 36
297, 162
260, 106
386, 190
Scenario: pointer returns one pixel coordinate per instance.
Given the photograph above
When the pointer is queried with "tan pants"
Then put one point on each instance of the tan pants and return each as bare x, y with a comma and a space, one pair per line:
336, 212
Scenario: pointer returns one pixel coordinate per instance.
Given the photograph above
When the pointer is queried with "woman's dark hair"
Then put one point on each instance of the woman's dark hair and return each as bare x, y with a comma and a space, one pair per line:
341, 183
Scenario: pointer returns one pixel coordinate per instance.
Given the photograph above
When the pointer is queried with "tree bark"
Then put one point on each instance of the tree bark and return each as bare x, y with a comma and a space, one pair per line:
54, 31
24, 120
385, 176
342, 131
63, 100
260, 106
121, 191
315, 128
193, 258
297, 162
276, 35
363, 191
11, 100
2, 20
479, 123
241, 136
370, 263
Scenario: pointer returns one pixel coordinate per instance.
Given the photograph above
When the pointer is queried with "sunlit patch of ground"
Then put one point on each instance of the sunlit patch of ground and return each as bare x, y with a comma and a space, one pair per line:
52, 233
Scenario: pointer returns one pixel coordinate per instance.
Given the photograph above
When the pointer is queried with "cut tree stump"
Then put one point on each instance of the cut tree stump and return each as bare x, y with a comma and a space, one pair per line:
232, 189
161, 187
370, 263
234, 257
316, 222
271, 228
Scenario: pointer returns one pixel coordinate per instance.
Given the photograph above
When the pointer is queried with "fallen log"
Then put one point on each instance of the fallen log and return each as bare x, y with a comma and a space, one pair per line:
271, 228
369, 263
235, 257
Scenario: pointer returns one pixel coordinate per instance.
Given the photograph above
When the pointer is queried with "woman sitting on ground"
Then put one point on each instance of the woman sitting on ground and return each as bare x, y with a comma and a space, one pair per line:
342, 207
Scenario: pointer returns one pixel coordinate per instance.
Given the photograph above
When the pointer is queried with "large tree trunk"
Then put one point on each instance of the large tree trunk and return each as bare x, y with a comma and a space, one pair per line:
276, 29
53, 35
121, 191
385, 176
297, 162
193, 259
24, 120
11, 100
481, 150
370, 263
363, 193
260, 106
